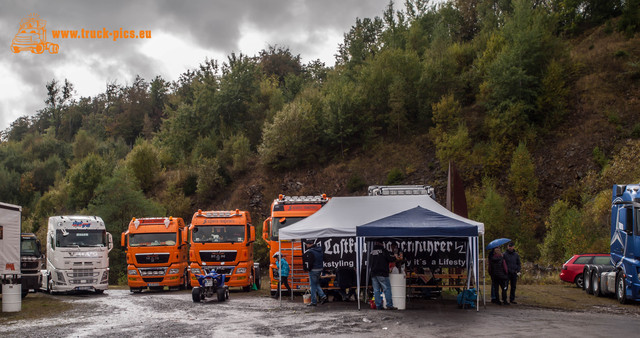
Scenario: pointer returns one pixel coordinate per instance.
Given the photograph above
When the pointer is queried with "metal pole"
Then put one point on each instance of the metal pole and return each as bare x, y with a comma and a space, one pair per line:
358, 265
291, 270
279, 271
484, 276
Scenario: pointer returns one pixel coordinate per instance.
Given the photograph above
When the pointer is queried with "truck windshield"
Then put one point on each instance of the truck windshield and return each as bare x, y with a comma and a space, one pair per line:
218, 233
81, 238
28, 247
282, 222
155, 239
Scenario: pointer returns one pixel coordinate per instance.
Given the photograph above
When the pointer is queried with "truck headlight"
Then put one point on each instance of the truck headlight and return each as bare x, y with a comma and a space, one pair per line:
196, 271
132, 272
174, 271
241, 270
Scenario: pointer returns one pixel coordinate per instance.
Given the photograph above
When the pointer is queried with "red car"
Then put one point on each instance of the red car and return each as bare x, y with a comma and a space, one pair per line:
572, 269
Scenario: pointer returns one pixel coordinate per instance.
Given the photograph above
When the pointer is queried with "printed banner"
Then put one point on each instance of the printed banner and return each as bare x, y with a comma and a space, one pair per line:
433, 252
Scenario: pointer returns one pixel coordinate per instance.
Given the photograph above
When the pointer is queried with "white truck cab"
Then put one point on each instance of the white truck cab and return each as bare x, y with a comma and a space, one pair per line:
77, 254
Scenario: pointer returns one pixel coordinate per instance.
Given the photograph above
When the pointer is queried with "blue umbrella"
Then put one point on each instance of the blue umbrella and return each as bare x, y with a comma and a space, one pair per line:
497, 242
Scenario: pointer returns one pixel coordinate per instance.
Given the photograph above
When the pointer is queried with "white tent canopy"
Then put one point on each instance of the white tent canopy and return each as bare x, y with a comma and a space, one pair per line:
341, 215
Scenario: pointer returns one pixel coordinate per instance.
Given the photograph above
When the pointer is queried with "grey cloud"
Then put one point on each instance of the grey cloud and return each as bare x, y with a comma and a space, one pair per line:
212, 25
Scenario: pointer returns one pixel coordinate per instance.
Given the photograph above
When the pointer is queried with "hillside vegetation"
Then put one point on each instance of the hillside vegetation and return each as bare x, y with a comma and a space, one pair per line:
536, 103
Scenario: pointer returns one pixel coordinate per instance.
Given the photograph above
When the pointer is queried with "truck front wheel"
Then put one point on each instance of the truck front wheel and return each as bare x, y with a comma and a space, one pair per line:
621, 287
196, 294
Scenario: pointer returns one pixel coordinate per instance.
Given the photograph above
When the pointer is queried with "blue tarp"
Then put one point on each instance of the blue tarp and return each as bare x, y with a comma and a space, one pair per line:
417, 222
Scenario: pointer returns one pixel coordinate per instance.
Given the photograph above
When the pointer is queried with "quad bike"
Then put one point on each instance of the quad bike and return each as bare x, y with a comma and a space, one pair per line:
210, 284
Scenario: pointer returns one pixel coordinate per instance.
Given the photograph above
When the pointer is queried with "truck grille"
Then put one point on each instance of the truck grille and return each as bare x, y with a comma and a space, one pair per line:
218, 256
81, 273
153, 279
29, 265
152, 271
82, 276
152, 258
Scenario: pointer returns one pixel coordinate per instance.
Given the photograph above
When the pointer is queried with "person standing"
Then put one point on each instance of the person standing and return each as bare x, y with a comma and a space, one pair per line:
494, 291
316, 257
498, 269
380, 259
513, 270
283, 267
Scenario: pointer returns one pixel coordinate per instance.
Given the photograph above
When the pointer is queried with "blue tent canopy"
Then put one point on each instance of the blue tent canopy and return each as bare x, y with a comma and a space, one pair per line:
417, 222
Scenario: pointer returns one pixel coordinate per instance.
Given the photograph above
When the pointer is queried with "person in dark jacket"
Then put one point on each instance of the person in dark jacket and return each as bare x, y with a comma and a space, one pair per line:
494, 291
513, 270
498, 270
314, 274
380, 259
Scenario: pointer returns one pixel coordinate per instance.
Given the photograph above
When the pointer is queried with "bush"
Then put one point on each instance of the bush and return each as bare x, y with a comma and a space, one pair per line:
143, 162
291, 138
209, 179
395, 176
522, 174
564, 236
491, 209
355, 183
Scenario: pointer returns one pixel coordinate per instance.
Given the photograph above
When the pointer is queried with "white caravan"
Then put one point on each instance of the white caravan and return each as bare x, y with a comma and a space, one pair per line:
10, 243
77, 254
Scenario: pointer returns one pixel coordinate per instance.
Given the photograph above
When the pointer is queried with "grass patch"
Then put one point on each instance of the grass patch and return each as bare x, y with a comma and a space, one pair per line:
568, 297
37, 305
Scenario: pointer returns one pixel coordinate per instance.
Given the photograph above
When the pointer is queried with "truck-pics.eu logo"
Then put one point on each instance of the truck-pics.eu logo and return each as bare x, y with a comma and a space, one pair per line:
32, 36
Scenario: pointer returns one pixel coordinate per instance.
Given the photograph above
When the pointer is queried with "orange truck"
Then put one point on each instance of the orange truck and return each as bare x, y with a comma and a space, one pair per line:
285, 211
156, 250
223, 241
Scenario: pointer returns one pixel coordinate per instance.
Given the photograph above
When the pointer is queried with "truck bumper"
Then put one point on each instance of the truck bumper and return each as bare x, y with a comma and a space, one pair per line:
70, 280
143, 282
31, 281
143, 279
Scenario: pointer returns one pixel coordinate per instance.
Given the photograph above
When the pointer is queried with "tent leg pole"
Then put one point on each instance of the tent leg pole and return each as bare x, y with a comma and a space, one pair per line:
484, 276
279, 272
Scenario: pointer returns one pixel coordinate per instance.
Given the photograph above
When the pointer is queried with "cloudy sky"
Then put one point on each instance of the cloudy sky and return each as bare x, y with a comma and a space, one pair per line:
183, 34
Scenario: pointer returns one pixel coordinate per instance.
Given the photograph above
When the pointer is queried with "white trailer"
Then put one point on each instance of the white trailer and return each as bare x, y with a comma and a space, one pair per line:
77, 254
10, 243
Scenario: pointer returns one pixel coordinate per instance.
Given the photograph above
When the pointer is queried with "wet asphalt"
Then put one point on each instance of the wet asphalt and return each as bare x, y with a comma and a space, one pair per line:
174, 314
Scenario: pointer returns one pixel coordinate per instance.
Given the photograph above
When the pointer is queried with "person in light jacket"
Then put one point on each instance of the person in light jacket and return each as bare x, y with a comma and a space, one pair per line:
283, 267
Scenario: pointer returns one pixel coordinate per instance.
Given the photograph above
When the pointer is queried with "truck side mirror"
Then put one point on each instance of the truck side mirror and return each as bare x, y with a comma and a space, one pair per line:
185, 233
253, 233
110, 240
266, 229
122, 240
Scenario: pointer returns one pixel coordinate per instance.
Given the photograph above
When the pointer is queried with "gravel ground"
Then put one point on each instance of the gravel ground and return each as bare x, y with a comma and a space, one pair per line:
119, 313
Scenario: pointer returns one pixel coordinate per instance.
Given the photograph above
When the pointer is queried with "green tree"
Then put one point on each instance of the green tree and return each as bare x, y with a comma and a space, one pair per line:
491, 209
83, 179
144, 164
561, 240
83, 145
291, 138
522, 174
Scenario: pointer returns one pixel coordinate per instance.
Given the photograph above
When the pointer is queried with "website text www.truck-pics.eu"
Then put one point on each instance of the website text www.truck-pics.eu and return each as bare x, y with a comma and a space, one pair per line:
101, 34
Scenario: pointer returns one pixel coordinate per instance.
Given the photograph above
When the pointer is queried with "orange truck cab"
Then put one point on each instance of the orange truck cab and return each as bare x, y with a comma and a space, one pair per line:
156, 250
223, 241
285, 211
